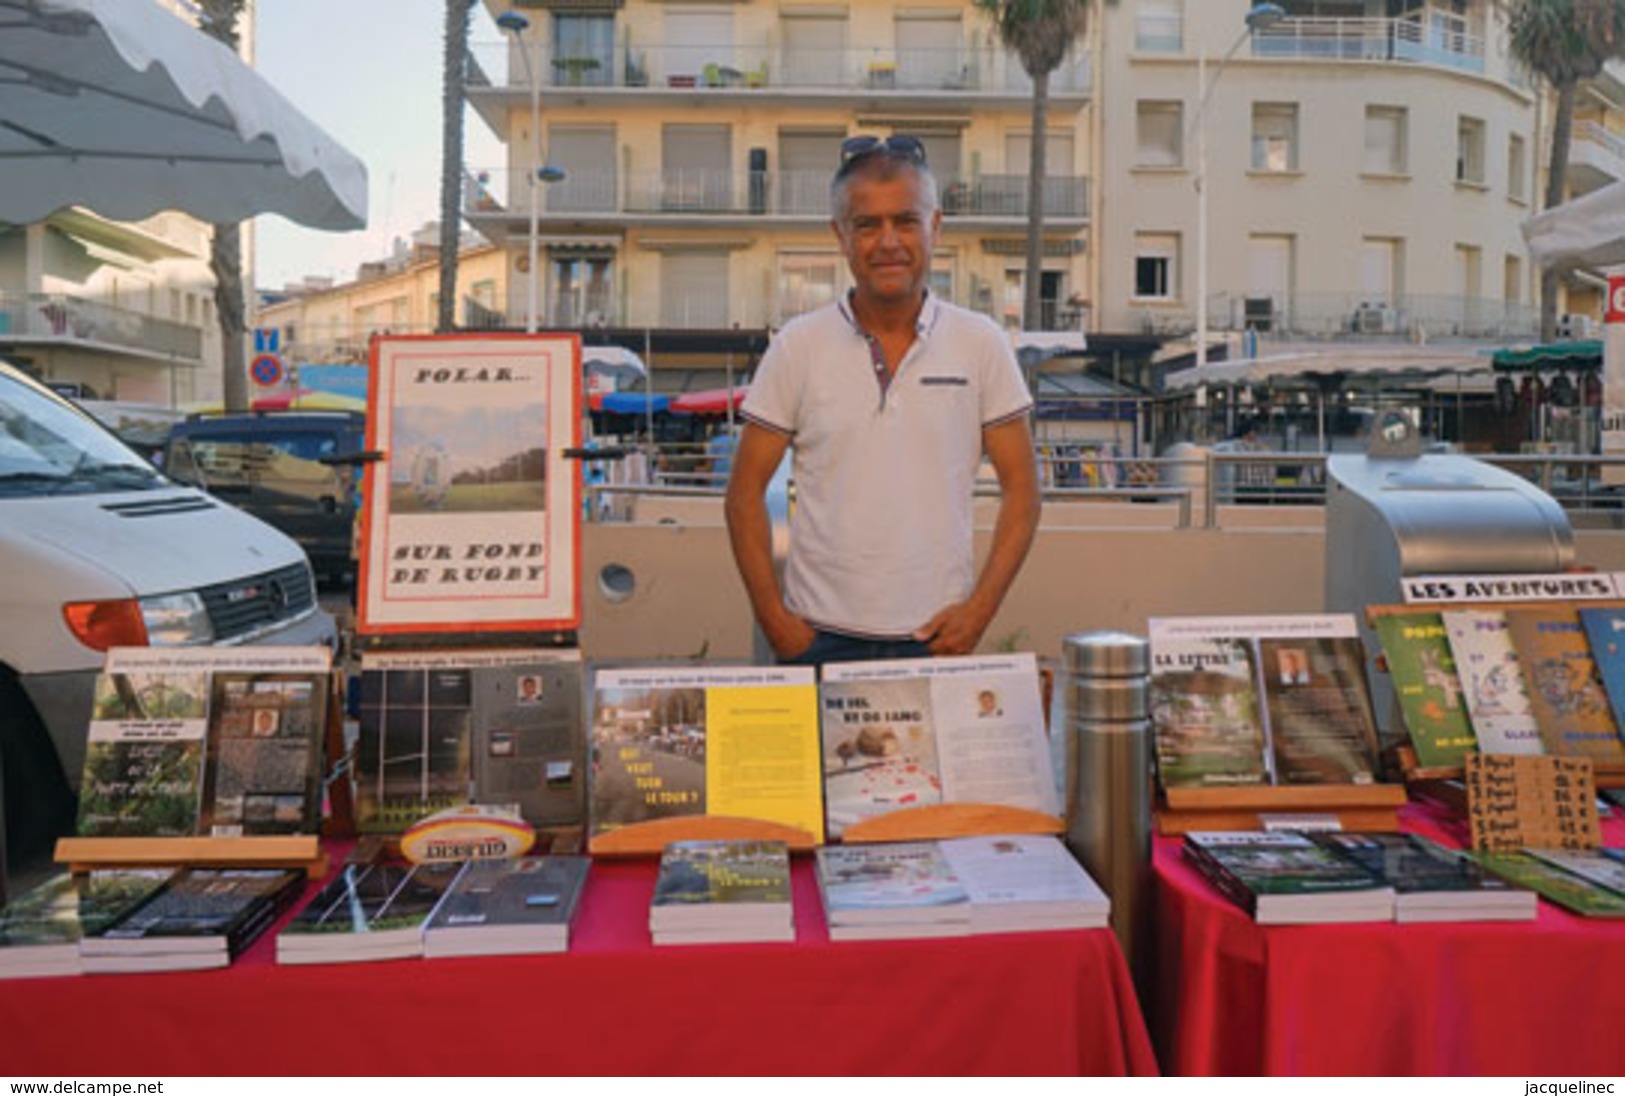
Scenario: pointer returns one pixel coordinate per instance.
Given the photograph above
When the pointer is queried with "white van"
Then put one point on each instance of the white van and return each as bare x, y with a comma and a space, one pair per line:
98, 549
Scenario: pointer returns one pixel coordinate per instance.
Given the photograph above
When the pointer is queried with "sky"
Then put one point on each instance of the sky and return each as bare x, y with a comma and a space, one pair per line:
367, 72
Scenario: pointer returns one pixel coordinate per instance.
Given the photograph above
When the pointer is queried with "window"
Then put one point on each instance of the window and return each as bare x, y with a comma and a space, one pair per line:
1155, 265
1159, 26
1380, 271
1275, 137
1512, 280
1517, 170
1470, 150
583, 49
695, 171
1269, 280
1159, 134
814, 48
1063, 196
694, 289
806, 282
581, 290
693, 40
587, 155
807, 160
1385, 141
929, 50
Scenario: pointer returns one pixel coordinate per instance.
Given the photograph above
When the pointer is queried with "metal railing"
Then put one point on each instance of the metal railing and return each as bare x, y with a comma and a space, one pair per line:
737, 66
1201, 488
1355, 316
61, 317
717, 191
1402, 39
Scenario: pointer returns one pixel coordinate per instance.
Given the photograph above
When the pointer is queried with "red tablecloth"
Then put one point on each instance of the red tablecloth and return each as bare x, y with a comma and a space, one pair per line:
1038, 1003
1233, 997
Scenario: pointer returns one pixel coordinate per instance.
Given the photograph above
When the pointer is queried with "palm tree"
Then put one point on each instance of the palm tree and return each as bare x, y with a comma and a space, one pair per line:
226, 249
453, 78
1565, 42
1039, 33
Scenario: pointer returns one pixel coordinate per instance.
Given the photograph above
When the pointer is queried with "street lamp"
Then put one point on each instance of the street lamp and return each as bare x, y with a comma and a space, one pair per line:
1259, 17
516, 24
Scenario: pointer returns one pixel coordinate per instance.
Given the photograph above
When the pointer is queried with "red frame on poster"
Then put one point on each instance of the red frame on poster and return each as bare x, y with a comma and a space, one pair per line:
462, 529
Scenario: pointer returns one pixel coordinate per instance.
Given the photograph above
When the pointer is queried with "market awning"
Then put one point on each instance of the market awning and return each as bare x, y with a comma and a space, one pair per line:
1589, 231
1576, 354
123, 108
712, 401
1354, 363
630, 403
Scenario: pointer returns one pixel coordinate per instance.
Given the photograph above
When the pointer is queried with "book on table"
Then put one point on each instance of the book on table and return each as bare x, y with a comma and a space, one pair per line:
1492, 684
957, 886
1570, 704
920, 732
39, 931
1250, 701
107, 894
1427, 686
367, 912
1286, 878
200, 918
1557, 885
713, 891
1432, 882
1600, 867
686, 742
210, 741
508, 907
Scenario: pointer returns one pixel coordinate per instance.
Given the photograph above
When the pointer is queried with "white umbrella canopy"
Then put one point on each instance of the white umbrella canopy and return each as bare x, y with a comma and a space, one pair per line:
121, 107
1589, 231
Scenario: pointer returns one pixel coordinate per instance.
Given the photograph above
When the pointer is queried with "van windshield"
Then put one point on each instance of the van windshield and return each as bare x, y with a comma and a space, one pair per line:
49, 448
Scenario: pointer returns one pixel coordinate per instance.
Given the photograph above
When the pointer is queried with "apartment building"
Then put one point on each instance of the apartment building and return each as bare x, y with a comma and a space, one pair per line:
697, 142
123, 311
1367, 165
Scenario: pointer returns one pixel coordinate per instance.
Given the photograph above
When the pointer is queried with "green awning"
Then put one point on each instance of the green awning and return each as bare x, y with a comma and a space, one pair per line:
1576, 354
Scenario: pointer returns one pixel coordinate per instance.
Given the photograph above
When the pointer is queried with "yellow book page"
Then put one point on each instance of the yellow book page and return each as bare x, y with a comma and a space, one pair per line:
762, 758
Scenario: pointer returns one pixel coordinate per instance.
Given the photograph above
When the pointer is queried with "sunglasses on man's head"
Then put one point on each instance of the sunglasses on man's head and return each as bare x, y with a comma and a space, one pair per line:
899, 146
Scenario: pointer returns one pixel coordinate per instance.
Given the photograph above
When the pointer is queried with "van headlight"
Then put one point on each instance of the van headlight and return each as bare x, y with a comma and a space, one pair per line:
176, 620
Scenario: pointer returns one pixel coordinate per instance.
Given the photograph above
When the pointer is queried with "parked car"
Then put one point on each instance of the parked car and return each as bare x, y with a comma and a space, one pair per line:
296, 470
99, 549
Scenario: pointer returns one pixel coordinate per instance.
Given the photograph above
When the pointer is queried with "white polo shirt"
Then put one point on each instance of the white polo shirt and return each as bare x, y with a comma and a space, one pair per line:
881, 536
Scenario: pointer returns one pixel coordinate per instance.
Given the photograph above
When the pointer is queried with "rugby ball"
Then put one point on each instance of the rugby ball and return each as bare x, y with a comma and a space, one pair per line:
470, 832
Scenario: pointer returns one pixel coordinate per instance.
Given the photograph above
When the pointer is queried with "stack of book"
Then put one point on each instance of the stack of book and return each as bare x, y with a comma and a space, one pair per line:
39, 931
722, 892
367, 912
1288, 879
1590, 883
956, 887
1431, 882
198, 919
508, 907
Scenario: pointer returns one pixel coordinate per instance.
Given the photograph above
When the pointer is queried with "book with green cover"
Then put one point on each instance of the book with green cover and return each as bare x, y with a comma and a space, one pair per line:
1286, 878
1205, 712
1571, 707
1564, 888
1592, 865
39, 931
1431, 882
733, 890
107, 894
1416, 647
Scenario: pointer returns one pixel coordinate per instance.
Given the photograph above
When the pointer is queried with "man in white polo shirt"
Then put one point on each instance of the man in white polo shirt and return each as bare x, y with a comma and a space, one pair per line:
890, 398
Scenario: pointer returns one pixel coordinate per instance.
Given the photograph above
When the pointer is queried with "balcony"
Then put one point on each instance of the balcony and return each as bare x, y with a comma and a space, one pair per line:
1445, 44
497, 202
58, 319
1352, 317
894, 76
1596, 157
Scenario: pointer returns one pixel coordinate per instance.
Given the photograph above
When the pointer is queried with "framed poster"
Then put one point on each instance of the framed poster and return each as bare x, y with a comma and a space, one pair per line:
471, 518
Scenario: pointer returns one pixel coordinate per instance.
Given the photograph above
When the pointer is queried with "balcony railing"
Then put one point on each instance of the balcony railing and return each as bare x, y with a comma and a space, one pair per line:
730, 66
746, 193
59, 317
1405, 39
1350, 316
